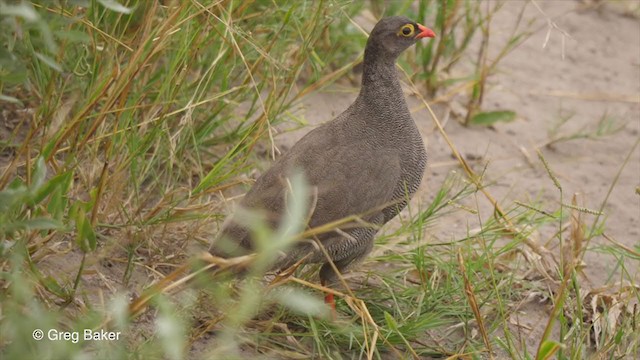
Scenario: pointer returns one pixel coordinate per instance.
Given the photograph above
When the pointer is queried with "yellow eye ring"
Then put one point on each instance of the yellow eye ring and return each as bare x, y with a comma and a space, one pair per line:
407, 30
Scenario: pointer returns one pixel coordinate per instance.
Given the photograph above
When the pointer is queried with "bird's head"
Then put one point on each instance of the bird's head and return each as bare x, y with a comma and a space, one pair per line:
394, 34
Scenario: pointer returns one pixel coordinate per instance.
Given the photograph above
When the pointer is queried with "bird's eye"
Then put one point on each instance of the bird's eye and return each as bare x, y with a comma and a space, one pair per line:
407, 30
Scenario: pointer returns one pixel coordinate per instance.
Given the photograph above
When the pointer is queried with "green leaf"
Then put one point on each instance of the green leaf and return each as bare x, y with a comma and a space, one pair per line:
39, 174
115, 6
23, 10
89, 236
58, 200
488, 118
10, 99
56, 205
42, 224
39, 223
119, 308
49, 61
391, 322
11, 196
548, 349
170, 329
50, 186
85, 237
74, 211
75, 36
54, 287
301, 302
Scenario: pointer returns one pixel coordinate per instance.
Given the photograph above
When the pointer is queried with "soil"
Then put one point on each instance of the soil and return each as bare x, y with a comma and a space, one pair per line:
584, 67
599, 77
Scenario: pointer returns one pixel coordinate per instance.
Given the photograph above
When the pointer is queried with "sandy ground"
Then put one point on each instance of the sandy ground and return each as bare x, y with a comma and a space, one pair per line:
598, 77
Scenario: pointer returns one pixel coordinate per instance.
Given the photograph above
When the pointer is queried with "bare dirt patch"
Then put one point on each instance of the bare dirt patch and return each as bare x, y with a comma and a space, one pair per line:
568, 85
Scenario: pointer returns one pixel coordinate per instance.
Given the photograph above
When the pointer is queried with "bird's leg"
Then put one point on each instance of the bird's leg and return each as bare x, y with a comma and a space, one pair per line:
329, 300
329, 275
354, 247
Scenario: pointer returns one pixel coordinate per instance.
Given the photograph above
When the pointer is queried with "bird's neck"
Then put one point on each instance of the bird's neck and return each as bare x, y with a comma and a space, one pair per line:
381, 94
379, 70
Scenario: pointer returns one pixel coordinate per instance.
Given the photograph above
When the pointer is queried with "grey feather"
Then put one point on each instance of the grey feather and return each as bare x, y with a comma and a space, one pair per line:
369, 160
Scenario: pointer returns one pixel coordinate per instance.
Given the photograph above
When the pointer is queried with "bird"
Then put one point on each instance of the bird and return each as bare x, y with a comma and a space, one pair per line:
368, 161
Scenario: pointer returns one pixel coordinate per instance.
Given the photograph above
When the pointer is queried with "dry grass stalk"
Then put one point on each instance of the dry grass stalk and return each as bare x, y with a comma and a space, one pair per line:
606, 310
572, 249
631, 251
607, 97
471, 297
541, 212
172, 281
552, 176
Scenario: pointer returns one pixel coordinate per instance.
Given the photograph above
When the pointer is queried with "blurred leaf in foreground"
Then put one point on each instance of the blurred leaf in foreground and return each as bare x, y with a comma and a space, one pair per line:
488, 118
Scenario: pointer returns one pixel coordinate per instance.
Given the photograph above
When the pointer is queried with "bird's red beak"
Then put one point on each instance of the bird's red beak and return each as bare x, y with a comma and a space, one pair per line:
425, 32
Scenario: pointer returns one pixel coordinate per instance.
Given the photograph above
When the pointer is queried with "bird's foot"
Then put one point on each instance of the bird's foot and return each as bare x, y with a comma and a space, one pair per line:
329, 300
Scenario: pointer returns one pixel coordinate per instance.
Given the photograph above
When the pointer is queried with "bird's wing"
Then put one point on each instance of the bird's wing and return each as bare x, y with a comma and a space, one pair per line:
353, 178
